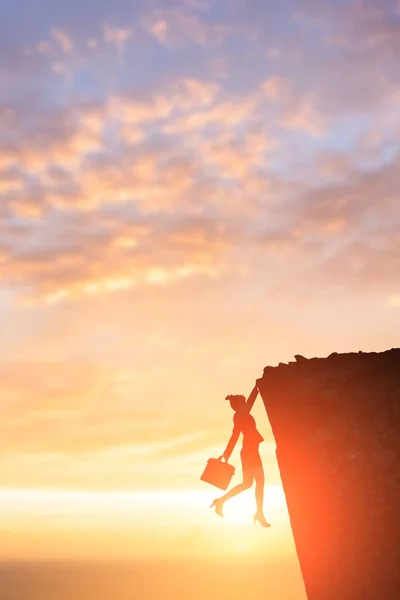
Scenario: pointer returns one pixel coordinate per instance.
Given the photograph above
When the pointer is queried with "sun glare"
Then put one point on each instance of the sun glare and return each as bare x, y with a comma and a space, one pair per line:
240, 510
112, 507
179, 522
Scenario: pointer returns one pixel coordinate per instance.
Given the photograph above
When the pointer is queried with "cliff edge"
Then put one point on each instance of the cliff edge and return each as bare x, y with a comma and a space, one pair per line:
336, 423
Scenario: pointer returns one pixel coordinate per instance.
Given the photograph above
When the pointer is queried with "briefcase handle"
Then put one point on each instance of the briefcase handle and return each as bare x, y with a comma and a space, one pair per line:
221, 457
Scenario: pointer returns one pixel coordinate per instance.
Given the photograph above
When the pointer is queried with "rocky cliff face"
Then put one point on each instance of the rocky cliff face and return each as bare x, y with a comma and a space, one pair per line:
336, 423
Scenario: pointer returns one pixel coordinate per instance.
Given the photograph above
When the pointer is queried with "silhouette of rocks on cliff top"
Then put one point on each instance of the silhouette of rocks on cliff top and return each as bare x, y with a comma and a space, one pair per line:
336, 423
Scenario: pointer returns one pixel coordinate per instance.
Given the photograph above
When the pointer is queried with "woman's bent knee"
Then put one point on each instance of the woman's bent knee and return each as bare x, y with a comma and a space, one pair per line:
247, 483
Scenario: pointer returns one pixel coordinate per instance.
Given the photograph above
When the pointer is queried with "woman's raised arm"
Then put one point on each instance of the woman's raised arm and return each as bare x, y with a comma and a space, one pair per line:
252, 398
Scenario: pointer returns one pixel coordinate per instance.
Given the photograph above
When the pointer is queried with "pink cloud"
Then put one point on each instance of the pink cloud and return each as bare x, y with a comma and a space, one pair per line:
176, 27
76, 261
276, 88
62, 38
224, 114
304, 116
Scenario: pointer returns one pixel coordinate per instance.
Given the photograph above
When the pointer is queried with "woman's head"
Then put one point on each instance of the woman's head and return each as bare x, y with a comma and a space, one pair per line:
237, 402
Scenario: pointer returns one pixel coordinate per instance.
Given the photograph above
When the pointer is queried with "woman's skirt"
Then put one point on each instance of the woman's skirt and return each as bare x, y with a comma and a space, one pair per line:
251, 459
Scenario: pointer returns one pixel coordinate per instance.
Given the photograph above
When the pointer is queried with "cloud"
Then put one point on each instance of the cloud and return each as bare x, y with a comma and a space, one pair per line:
183, 146
139, 112
176, 28
237, 157
11, 180
297, 110
344, 233
117, 37
183, 95
361, 198
64, 40
275, 88
148, 181
43, 47
87, 256
62, 136
365, 268
333, 165
224, 114
156, 178
305, 117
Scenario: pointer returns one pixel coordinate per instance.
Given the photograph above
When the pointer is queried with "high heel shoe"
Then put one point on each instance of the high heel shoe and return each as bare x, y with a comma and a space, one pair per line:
218, 507
261, 519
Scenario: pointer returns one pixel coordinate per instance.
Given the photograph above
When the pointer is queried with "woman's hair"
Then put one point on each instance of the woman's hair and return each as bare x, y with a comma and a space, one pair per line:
236, 400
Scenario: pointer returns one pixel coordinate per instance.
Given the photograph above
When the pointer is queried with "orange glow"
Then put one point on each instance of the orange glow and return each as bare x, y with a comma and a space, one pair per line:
75, 522
180, 206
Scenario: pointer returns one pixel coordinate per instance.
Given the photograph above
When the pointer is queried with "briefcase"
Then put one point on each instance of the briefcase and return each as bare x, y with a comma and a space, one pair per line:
218, 473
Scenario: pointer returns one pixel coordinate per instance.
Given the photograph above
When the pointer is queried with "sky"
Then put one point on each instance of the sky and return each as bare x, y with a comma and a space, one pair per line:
190, 191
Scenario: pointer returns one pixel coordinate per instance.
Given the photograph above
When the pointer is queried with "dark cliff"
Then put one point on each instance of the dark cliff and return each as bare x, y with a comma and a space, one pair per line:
336, 423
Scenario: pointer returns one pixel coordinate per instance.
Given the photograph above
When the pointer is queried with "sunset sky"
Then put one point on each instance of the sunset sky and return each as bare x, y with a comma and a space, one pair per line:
190, 190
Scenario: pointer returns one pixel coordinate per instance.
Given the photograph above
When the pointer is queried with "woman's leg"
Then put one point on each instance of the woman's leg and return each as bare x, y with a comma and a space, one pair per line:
259, 516
238, 489
260, 480
248, 478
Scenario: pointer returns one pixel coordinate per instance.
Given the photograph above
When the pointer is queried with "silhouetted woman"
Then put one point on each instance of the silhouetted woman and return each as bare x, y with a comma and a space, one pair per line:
252, 467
